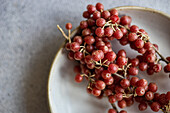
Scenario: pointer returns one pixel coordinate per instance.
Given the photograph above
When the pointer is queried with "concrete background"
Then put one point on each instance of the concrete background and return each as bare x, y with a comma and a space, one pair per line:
29, 41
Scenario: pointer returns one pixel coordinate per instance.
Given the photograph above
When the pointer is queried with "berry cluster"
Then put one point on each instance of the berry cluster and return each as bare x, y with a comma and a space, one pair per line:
110, 74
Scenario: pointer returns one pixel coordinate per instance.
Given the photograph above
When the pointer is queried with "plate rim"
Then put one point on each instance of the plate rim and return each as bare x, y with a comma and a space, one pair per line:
120, 8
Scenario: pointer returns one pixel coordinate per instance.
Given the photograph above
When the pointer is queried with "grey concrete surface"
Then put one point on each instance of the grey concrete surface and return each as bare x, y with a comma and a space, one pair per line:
29, 41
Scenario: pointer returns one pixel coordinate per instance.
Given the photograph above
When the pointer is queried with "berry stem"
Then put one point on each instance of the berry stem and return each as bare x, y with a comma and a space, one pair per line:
162, 58
114, 107
61, 30
119, 75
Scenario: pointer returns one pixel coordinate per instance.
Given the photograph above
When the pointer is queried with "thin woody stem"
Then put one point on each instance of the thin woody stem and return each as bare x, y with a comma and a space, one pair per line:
114, 107
119, 75
61, 30
162, 57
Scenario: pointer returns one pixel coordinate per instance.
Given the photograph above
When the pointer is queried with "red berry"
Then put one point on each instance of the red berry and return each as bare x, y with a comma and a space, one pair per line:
134, 28
100, 85
89, 39
112, 111
78, 78
142, 83
121, 61
152, 87
96, 15
168, 95
125, 83
114, 19
99, 6
111, 56
118, 34
86, 32
83, 24
142, 106
148, 45
108, 31
125, 20
112, 99
150, 58
123, 111
109, 81
149, 95
99, 32
86, 14
140, 91
96, 92
78, 39
134, 62
139, 43
100, 22
105, 14
143, 66
118, 96
71, 55
91, 9
114, 12
133, 71
68, 26
122, 104
155, 106
113, 68
121, 53
108, 92
78, 55
106, 74
134, 80
132, 36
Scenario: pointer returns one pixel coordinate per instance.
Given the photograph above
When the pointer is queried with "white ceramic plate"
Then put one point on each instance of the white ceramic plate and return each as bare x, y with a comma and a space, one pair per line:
66, 96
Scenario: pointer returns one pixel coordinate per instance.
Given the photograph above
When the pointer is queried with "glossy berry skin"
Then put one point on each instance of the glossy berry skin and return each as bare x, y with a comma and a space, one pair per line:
157, 68
86, 32
99, 32
106, 74
91, 9
148, 46
168, 95
123, 40
133, 71
122, 104
88, 59
109, 81
86, 14
134, 62
96, 15
89, 48
111, 56
99, 6
150, 58
125, 83
134, 81
125, 20
78, 55
67, 46
142, 83
114, 12
71, 55
78, 78
105, 49
97, 55
96, 92
100, 85
121, 61
149, 95
114, 19
134, 28
113, 68
105, 14
74, 46
112, 99
152, 87
108, 31
142, 106
108, 92
121, 53
139, 43
123, 111
167, 68
132, 37
100, 22
78, 39
118, 96
112, 111
83, 24
143, 66
89, 39
140, 91
124, 31
68, 26
155, 106
118, 34
119, 89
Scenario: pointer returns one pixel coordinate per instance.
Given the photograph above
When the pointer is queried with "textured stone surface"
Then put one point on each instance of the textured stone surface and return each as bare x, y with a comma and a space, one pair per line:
29, 41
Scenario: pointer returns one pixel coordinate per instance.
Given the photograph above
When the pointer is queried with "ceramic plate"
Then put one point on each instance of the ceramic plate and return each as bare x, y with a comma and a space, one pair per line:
66, 96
